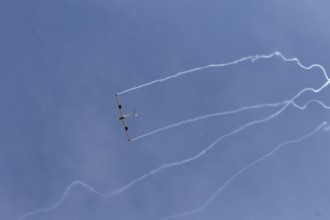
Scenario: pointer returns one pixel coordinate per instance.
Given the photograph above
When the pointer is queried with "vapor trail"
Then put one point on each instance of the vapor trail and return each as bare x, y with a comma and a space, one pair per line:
63, 197
296, 60
241, 171
193, 70
177, 124
198, 155
252, 58
152, 172
309, 102
173, 164
209, 116
192, 158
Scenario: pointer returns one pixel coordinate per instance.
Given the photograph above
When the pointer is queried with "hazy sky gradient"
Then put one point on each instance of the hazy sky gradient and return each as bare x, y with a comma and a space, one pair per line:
62, 62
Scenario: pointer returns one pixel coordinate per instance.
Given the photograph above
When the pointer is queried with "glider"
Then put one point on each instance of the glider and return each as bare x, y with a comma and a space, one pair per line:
123, 117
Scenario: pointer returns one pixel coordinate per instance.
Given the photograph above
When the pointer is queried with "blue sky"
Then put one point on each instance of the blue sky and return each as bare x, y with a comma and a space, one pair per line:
62, 62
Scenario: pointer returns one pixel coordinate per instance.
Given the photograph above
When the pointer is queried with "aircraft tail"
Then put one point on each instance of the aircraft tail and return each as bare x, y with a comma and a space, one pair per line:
135, 113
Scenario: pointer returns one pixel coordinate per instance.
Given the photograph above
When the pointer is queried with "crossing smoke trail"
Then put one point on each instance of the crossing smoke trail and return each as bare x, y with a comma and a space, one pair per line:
287, 103
177, 124
251, 58
173, 164
249, 124
131, 184
165, 166
241, 171
209, 116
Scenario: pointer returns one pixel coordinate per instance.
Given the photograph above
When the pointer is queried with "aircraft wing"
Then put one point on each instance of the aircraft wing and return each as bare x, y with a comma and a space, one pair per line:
126, 129
122, 117
120, 107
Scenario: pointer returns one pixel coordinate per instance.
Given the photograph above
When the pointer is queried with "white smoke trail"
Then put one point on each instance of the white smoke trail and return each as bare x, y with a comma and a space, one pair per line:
241, 171
173, 164
194, 70
152, 172
63, 197
210, 116
297, 61
309, 102
165, 166
177, 124
192, 158
252, 58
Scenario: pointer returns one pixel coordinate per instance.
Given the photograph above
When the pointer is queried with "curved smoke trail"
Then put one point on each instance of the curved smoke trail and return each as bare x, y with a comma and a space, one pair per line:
252, 58
165, 166
323, 126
